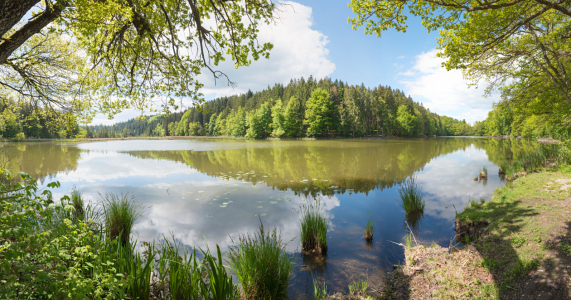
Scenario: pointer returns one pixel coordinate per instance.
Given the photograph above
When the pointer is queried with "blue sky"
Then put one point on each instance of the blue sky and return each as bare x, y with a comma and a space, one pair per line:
313, 37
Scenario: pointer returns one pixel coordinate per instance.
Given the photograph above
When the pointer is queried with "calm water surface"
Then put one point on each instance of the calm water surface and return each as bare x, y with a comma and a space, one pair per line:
184, 183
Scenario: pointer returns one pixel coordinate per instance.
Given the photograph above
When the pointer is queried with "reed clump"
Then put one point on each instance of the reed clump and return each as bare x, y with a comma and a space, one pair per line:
313, 228
78, 204
262, 265
370, 227
411, 197
120, 213
483, 173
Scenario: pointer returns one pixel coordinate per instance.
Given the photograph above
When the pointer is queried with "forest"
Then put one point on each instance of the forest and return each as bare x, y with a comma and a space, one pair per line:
302, 108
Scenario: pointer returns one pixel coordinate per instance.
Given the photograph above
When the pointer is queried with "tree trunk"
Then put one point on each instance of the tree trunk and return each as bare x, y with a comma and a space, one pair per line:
10, 43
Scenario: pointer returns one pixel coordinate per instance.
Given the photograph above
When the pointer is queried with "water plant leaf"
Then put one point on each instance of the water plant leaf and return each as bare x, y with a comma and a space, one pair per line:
273, 202
222, 205
201, 191
260, 206
264, 214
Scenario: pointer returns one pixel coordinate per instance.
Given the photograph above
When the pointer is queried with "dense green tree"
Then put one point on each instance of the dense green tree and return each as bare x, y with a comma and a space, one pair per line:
317, 112
130, 49
407, 121
278, 119
293, 122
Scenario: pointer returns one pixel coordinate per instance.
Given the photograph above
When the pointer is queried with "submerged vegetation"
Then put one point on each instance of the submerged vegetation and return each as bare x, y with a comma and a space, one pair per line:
262, 265
313, 228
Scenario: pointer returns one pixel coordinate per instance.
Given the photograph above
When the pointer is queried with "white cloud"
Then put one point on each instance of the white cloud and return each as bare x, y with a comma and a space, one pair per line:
401, 57
445, 92
298, 51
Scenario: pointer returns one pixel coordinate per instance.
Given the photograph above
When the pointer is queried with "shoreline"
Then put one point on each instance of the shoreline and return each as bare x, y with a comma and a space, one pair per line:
539, 139
516, 246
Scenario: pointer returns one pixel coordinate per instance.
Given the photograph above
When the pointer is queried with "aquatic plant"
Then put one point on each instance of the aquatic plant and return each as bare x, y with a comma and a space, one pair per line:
358, 287
78, 204
313, 228
411, 197
121, 212
262, 265
319, 292
370, 227
483, 173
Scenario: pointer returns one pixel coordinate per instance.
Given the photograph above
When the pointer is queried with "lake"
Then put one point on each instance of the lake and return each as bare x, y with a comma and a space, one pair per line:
219, 189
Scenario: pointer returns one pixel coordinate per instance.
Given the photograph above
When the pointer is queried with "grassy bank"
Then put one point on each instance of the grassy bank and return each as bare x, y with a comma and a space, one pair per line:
515, 246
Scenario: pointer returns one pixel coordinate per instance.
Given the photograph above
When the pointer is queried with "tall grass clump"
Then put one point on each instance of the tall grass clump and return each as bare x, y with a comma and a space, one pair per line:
78, 204
313, 228
411, 197
262, 265
370, 227
120, 212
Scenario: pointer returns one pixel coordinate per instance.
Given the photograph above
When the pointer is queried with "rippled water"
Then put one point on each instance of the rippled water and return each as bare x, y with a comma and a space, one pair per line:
185, 183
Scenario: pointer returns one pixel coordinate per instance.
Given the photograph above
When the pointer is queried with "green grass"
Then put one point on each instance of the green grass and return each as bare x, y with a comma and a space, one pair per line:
319, 292
121, 212
313, 228
357, 287
262, 265
78, 204
411, 197
370, 226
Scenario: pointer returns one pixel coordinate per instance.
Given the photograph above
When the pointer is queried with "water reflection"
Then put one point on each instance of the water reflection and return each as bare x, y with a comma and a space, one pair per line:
220, 189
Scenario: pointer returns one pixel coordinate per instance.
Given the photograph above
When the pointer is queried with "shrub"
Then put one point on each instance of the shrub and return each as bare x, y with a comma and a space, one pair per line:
262, 265
20, 137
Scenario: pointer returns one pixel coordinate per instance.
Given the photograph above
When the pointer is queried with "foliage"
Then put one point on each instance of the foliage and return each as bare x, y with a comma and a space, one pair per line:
131, 53
262, 265
518, 47
317, 112
354, 111
44, 253
313, 227
407, 121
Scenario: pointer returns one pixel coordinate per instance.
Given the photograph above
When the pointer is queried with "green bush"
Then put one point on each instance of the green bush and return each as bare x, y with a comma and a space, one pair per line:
44, 255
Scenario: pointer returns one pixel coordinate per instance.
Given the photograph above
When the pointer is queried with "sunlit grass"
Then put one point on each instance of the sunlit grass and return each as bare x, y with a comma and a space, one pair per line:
121, 212
313, 228
411, 197
370, 227
262, 265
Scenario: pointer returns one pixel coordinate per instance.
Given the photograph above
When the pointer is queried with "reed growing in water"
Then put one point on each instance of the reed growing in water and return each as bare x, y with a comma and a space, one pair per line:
262, 265
78, 204
313, 228
120, 212
411, 197
370, 227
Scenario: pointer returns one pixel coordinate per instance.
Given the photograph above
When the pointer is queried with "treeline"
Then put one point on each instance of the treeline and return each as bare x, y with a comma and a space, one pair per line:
505, 119
301, 108
20, 120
